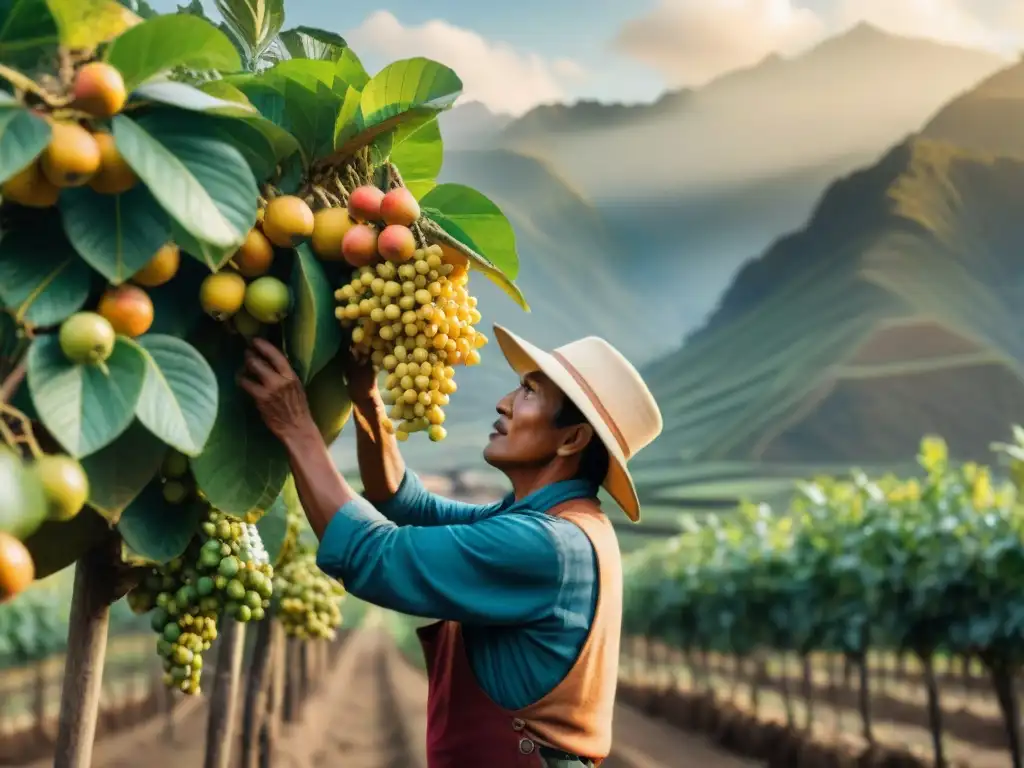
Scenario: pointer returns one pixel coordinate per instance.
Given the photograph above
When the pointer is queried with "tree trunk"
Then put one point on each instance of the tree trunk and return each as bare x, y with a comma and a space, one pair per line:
934, 710
220, 728
257, 685
1004, 680
787, 697
807, 679
83, 665
864, 700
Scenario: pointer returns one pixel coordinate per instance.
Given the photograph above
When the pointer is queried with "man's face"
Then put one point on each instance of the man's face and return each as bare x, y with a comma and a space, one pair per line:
525, 432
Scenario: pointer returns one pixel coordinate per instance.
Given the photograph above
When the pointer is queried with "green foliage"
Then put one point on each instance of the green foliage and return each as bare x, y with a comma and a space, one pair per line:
920, 565
218, 120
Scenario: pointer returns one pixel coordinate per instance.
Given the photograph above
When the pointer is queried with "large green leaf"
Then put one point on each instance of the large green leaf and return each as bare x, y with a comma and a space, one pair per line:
402, 92
349, 69
243, 466
313, 331
116, 234
255, 23
28, 32
55, 546
23, 136
85, 407
179, 397
155, 530
158, 45
474, 220
119, 472
84, 24
313, 43
306, 72
42, 279
185, 96
418, 152
311, 116
205, 184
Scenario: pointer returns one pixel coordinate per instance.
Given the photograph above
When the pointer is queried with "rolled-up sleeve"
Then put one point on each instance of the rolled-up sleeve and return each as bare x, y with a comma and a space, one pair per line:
504, 569
415, 505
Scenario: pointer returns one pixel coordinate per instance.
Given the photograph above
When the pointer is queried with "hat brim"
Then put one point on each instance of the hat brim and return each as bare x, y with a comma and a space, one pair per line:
525, 358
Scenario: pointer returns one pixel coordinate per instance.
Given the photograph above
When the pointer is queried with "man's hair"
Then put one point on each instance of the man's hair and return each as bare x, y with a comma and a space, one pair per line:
594, 459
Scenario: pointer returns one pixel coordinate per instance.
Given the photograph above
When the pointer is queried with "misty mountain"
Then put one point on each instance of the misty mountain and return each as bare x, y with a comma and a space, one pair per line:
693, 184
894, 313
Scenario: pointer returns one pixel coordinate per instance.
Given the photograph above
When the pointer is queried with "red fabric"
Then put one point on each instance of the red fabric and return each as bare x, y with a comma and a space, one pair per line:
465, 728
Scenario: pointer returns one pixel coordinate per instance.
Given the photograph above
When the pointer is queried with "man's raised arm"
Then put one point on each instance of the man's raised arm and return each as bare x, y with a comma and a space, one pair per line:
396, 492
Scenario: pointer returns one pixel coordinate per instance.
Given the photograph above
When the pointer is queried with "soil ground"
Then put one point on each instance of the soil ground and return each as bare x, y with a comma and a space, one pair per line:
370, 713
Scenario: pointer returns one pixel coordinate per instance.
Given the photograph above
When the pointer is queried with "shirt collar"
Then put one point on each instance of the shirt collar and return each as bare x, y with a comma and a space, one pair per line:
550, 496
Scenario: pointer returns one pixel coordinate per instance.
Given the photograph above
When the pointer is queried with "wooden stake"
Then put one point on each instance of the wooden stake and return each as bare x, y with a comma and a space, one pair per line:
83, 666
257, 688
220, 728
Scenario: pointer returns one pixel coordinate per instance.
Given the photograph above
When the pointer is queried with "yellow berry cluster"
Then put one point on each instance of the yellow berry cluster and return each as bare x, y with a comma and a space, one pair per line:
417, 321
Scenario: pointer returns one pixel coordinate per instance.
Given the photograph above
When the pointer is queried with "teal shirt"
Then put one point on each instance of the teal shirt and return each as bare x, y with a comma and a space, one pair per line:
521, 582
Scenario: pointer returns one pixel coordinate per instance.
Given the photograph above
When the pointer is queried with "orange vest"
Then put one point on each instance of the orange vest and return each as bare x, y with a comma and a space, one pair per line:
465, 727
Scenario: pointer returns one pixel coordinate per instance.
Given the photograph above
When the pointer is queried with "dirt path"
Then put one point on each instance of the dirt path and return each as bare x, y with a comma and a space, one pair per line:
370, 713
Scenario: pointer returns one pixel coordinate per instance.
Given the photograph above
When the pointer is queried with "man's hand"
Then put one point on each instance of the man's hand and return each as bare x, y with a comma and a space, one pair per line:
362, 382
277, 391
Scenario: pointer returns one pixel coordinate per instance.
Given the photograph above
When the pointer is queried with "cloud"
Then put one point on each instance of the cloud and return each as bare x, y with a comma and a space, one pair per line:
948, 21
692, 41
494, 73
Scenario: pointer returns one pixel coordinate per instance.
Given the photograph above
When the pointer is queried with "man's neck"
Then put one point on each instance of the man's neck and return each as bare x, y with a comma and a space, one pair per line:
527, 480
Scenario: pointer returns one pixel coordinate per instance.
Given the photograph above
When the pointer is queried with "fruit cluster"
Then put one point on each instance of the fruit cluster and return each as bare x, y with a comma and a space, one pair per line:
49, 487
308, 599
408, 309
244, 292
78, 153
224, 572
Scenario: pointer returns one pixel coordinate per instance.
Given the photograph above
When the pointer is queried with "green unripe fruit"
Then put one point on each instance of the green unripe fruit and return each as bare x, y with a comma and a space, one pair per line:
267, 299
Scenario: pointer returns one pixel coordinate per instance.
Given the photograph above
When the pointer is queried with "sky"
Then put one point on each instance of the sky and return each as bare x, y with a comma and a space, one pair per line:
514, 56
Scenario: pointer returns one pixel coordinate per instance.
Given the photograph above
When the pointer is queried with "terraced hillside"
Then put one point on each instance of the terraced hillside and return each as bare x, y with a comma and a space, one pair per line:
895, 312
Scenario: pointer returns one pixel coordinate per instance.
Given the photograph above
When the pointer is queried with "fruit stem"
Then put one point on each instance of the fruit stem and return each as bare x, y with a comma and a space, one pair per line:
434, 232
26, 437
342, 192
396, 177
10, 384
28, 85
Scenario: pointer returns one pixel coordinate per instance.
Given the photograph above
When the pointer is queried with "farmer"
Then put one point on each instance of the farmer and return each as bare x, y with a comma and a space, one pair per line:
523, 664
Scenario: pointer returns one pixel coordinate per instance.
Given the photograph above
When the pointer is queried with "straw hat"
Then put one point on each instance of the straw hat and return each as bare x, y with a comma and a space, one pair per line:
609, 392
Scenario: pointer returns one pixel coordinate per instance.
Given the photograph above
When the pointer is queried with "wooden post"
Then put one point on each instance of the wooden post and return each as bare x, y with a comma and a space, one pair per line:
83, 666
257, 685
292, 681
220, 728
275, 701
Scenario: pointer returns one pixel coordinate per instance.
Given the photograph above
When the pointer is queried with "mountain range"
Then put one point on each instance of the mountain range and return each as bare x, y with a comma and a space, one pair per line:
894, 313
632, 221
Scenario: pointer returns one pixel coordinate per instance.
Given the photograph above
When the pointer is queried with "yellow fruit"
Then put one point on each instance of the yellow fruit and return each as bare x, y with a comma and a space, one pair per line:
330, 226
65, 485
255, 255
29, 187
17, 570
99, 89
72, 156
87, 338
161, 268
222, 294
115, 176
128, 308
287, 221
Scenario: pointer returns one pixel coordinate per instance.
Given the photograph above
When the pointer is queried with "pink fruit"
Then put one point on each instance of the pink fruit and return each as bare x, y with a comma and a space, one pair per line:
364, 203
396, 243
399, 207
359, 246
